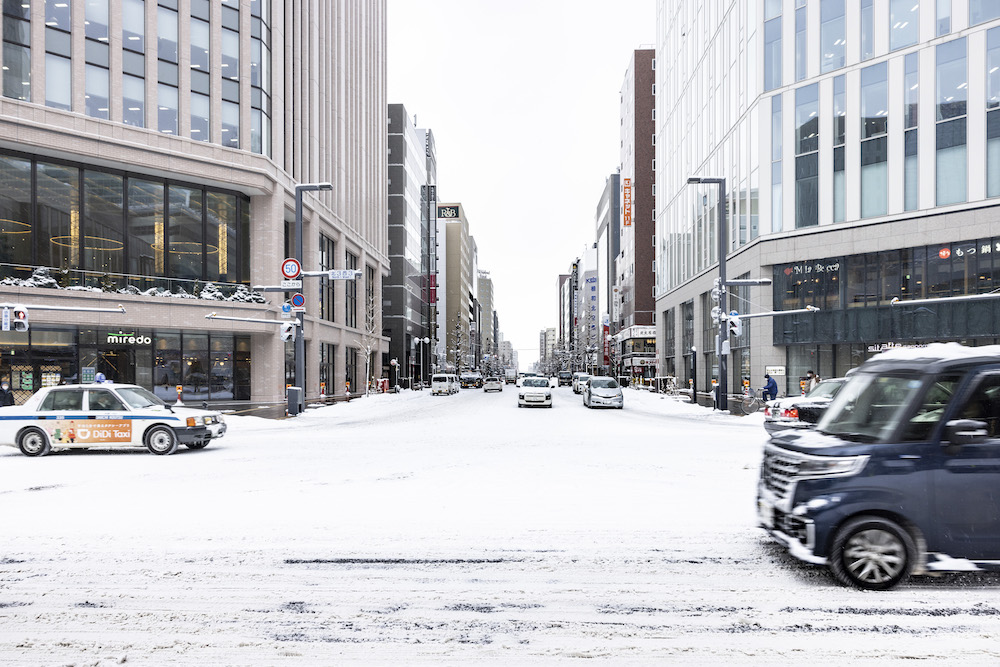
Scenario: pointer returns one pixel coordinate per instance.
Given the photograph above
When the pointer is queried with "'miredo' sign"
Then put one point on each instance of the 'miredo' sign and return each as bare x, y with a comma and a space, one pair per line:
127, 339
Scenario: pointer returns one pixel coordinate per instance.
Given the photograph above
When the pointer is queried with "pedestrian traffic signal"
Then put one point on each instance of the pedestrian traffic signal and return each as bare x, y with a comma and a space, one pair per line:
19, 318
287, 331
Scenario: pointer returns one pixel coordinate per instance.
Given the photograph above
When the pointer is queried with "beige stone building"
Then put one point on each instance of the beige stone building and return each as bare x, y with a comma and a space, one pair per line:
149, 149
460, 304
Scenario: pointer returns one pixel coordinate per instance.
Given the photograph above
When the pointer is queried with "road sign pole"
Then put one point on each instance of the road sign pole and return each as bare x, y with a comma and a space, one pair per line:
300, 341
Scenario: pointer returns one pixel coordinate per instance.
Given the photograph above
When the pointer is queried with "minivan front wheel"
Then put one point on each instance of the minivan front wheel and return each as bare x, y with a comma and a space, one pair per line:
872, 553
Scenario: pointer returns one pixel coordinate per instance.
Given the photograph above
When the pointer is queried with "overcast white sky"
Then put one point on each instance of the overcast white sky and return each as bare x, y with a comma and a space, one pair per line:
522, 97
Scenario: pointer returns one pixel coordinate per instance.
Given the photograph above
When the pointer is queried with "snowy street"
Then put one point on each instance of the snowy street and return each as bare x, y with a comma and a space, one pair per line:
412, 528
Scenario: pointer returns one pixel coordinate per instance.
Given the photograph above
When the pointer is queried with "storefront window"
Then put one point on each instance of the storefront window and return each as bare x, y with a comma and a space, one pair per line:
185, 232
145, 228
167, 371
15, 212
222, 239
195, 365
221, 376
103, 237
58, 215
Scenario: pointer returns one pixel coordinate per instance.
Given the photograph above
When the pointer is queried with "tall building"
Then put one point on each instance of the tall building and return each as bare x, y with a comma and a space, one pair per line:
637, 262
460, 306
484, 289
608, 223
429, 255
406, 315
857, 149
149, 150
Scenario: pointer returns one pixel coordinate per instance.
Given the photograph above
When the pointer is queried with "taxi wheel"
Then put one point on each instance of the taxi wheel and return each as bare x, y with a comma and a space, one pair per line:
161, 440
32, 442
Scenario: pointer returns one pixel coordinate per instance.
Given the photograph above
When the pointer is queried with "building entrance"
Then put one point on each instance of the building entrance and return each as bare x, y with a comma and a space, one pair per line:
117, 365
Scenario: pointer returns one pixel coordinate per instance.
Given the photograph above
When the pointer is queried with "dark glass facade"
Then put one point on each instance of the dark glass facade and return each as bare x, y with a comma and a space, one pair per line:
99, 222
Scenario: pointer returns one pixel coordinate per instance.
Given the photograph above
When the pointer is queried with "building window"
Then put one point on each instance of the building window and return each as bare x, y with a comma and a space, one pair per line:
133, 63
772, 53
904, 23
231, 124
17, 50
993, 113
801, 40
133, 100
952, 89
103, 246
166, 108
981, 11
831, 39
874, 150
351, 294
911, 167
166, 89
943, 17
776, 149
58, 82
57, 14
867, 29
201, 117
260, 77
807, 156
327, 249
15, 211
351, 369
839, 136
327, 368
97, 75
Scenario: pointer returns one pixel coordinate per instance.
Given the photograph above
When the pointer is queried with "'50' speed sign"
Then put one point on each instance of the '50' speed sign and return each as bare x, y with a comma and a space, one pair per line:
290, 268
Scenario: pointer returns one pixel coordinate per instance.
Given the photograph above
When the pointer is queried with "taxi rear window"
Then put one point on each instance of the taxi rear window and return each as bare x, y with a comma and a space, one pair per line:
63, 399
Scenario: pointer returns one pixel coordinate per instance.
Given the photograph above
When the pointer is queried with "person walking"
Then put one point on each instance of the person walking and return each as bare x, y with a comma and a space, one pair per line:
770, 388
6, 395
811, 381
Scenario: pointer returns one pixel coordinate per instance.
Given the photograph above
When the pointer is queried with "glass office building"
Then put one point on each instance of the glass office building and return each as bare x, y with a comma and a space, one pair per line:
860, 143
149, 153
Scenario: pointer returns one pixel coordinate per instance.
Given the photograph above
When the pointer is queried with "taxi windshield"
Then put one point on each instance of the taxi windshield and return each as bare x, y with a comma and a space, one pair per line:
139, 398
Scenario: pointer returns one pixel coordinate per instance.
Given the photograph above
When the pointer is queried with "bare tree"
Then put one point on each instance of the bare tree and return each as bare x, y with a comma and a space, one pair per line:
371, 337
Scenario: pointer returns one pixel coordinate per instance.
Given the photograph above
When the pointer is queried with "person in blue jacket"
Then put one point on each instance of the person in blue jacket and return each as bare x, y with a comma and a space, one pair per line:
770, 389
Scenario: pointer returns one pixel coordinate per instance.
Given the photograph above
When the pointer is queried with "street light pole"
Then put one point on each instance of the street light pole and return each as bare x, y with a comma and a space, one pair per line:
300, 340
722, 401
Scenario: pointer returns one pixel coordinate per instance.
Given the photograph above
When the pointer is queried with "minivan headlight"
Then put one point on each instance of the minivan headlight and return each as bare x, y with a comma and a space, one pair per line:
825, 466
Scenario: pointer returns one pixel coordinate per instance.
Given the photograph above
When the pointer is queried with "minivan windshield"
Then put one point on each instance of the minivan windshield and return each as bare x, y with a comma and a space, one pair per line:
869, 406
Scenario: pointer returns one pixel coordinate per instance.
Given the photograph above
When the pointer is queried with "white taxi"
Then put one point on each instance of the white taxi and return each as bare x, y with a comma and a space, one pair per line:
100, 415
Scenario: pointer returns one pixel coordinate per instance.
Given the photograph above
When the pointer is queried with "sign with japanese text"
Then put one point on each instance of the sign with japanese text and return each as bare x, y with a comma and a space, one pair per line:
627, 201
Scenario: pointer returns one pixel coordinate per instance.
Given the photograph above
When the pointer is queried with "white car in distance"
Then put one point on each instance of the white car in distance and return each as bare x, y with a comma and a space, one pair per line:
603, 392
492, 384
534, 391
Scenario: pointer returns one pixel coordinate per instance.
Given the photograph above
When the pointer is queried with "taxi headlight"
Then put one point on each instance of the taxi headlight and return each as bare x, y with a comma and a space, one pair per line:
207, 420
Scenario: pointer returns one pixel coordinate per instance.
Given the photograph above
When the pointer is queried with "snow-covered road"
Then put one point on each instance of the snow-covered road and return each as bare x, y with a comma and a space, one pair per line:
417, 529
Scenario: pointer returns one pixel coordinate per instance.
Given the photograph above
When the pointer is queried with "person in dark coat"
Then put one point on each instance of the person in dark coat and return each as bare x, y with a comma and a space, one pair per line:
770, 388
6, 395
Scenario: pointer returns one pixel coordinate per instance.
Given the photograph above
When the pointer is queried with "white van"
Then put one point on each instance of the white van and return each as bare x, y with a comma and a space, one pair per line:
444, 383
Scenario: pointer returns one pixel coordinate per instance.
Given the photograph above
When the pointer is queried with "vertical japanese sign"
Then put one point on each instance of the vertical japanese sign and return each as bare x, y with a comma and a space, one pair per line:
627, 201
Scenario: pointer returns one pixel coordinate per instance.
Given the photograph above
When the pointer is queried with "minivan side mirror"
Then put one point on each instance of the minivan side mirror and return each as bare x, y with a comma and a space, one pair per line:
965, 431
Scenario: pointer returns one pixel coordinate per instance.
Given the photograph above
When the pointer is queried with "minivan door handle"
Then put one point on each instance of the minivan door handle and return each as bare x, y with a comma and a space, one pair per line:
910, 457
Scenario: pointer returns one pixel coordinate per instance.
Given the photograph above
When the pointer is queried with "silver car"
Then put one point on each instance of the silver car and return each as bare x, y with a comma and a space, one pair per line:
603, 392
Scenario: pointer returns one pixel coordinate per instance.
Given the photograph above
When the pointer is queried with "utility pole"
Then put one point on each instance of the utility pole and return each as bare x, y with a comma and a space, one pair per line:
300, 341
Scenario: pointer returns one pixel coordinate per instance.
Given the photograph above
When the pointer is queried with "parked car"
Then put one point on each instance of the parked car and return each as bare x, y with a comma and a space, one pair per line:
444, 384
565, 378
105, 415
492, 383
900, 476
534, 391
579, 381
801, 411
603, 392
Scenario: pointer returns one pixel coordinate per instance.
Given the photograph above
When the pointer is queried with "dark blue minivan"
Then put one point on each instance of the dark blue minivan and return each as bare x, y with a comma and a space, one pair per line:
902, 474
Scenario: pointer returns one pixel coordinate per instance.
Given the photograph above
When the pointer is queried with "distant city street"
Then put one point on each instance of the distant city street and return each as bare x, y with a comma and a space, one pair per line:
410, 528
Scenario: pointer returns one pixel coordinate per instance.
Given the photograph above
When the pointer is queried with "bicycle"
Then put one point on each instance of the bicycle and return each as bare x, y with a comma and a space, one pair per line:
752, 402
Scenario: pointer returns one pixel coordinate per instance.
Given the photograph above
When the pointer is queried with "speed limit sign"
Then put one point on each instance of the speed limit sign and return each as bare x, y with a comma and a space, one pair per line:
290, 268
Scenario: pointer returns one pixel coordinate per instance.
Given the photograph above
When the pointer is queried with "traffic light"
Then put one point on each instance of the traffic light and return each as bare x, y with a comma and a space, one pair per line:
19, 318
735, 326
287, 331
